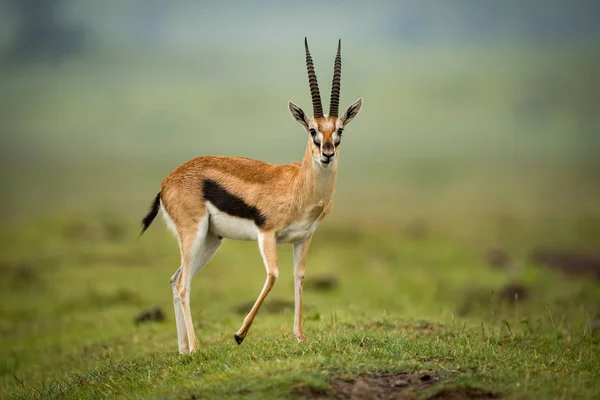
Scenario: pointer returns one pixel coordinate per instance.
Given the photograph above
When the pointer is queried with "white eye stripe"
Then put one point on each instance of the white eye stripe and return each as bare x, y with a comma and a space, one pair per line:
317, 139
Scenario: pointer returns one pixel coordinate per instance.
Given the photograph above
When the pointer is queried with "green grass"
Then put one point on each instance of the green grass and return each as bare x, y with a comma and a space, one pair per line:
71, 287
491, 147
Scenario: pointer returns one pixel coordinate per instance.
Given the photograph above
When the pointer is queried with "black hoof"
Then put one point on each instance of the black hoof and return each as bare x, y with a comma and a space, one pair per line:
238, 339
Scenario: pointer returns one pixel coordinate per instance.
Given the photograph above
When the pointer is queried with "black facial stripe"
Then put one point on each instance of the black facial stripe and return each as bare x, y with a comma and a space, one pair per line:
230, 203
316, 143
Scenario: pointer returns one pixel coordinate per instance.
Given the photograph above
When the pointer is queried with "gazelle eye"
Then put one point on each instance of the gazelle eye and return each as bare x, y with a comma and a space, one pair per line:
313, 132
339, 132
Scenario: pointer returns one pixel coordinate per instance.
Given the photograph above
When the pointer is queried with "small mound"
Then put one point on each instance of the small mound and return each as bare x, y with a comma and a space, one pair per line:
570, 263
463, 393
321, 283
498, 258
513, 292
371, 386
155, 314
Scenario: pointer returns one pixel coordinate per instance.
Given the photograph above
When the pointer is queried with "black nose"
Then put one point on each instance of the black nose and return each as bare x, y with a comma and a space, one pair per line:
328, 150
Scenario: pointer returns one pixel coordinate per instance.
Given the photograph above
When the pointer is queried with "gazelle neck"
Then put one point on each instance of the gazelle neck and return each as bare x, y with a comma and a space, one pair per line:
317, 182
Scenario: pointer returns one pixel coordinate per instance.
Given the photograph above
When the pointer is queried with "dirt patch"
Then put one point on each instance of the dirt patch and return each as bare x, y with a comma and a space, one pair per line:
417, 229
21, 275
513, 292
23, 272
274, 306
570, 263
372, 386
155, 314
321, 283
310, 392
463, 393
498, 258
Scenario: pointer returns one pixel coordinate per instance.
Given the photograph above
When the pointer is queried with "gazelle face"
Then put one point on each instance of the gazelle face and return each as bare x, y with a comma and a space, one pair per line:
326, 136
325, 133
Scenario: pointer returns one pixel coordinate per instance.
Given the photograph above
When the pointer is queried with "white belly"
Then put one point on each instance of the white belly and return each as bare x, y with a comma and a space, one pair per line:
228, 226
225, 225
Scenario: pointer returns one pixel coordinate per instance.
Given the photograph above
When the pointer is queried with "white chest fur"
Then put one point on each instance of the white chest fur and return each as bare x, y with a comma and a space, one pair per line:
302, 229
296, 232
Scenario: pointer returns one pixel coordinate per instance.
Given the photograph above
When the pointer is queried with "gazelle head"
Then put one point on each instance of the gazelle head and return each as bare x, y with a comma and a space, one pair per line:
325, 130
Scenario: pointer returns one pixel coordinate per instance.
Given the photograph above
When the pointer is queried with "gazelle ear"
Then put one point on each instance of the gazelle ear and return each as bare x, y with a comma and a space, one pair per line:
298, 114
352, 111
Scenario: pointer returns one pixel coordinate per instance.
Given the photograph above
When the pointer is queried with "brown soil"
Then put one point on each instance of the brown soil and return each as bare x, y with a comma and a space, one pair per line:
498, 258
321, 283
463, 393
372, 386
570, 263
155, 314
513, 292
20, 274
417, 229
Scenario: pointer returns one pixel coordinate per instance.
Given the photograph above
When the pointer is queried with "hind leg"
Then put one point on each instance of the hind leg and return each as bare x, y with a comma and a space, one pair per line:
203, 255
182, 340
197, 249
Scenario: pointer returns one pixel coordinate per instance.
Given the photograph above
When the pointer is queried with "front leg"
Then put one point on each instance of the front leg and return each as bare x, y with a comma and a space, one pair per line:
300, 253
268, 250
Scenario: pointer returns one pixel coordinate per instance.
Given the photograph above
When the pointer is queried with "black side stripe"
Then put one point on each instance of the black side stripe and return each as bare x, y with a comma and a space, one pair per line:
230, 203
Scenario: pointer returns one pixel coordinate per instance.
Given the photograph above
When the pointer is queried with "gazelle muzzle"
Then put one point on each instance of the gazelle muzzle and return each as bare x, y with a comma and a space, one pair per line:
327, 152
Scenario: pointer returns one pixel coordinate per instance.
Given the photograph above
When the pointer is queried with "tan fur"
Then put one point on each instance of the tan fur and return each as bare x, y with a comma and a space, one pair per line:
327, 125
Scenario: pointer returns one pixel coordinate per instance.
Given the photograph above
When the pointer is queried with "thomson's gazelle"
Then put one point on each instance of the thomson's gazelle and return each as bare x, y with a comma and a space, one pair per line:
210, 198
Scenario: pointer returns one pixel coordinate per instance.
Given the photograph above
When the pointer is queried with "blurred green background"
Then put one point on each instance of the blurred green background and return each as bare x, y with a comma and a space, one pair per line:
471, 110
475, 154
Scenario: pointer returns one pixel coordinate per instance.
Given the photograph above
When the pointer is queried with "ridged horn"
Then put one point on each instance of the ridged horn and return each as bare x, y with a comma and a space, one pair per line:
314, 85
334, 104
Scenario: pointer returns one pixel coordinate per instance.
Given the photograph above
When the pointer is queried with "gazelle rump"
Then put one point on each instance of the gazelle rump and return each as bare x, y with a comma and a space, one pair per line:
211, 198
